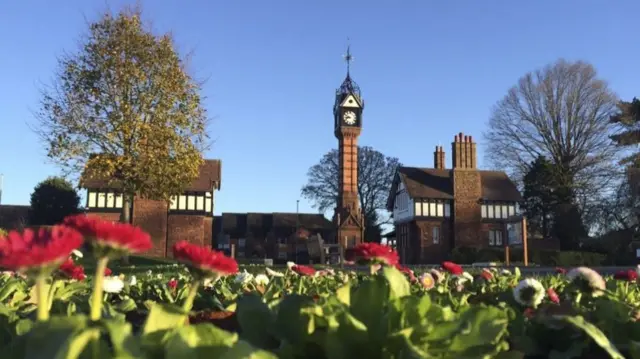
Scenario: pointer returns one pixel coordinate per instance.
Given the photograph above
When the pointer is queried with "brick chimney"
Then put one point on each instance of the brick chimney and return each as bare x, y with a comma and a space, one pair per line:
438, 158
464, 152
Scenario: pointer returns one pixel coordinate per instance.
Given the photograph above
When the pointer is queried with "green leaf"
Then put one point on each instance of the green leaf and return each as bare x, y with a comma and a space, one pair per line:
369, 300
9, 288
256, 320
164, 316
242, 349
60, 337
348, 338
398, 283
592, 331
199, 341
408, 311
344, 294
292, 324
123, 343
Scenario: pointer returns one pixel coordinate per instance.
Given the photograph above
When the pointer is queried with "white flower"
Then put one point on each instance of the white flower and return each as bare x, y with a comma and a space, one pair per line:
290, 265
529, 292
244, 277
437, 275
427, 281
273, 273
77, 253
261, 279
588, 280
505, 272
467, 276
159, 276
150, 273
112, 284
133, 280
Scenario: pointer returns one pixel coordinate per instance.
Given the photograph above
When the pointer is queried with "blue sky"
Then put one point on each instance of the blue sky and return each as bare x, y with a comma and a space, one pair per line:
427, 69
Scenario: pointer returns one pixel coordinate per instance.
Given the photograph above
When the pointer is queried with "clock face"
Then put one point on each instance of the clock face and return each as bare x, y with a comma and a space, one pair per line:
349, 118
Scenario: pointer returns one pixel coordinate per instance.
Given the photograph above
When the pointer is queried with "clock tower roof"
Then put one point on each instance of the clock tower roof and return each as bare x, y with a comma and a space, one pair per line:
348, 86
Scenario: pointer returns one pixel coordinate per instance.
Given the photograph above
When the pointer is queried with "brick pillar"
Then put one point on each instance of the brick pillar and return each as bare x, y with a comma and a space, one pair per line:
439, 158
467, 190
208, 231
151, 216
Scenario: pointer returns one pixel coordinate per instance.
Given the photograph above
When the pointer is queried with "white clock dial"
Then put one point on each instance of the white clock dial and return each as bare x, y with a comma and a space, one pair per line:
349, 118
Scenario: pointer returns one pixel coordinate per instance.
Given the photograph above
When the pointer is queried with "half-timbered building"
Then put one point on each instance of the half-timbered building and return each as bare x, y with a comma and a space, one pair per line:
188, 215
437, 209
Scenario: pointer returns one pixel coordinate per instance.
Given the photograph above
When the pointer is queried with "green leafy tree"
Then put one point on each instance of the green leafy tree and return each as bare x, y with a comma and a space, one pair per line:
52, 200
628, 136
375, 175
124, 108
538, 196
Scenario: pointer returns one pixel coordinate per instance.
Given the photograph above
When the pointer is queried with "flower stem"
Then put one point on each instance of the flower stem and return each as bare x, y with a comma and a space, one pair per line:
96, 299
193, 291
41, 292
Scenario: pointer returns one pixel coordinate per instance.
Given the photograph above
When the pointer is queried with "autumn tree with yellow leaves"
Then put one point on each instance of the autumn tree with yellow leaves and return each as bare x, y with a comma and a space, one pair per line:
124, 108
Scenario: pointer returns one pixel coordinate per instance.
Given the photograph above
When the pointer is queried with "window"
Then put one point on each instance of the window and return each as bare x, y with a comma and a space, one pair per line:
111, 200
208, 205
91, 200
241, 242
119, 200
173, 204
501, 210
200, 203
432, 208
191, 203
101, 199
495, 238
436, 235
182, 202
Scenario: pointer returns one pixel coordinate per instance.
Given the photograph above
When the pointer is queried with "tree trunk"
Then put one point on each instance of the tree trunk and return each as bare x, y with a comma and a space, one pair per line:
125, 217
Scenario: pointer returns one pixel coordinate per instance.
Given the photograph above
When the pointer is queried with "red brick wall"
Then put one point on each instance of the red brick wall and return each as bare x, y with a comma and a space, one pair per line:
151, 216
185, 227
208, 232
109, 216
429, 252
467, 193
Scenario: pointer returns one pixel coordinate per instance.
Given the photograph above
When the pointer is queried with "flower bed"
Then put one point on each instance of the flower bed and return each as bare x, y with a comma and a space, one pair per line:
205, 309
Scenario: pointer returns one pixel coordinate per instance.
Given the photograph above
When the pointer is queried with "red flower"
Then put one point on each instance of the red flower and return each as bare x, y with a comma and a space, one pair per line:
205, 260
561, 270
407, 271
172, 284
372, 253
107, 271
303, 270
71, 270
452, 268
122, 237
553, 296
44, 248
628, 275
529, 313
486, 274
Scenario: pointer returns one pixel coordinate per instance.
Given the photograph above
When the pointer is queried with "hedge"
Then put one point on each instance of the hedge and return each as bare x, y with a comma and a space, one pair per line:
545, 257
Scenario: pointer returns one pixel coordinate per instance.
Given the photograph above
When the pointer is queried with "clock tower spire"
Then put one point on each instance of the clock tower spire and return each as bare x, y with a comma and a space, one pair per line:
347, 113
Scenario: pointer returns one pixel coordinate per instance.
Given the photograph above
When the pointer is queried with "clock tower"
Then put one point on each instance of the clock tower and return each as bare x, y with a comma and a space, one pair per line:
347, 113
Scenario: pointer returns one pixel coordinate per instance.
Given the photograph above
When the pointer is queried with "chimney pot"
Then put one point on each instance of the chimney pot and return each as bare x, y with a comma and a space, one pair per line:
470, 138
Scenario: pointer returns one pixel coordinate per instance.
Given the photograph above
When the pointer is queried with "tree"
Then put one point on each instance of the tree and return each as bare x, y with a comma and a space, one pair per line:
628, 120
124, 108
375, 174
52, 200
538, 196
561, 112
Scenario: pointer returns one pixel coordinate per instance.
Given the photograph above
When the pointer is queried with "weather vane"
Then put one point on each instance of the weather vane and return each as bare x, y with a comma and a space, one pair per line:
348, 57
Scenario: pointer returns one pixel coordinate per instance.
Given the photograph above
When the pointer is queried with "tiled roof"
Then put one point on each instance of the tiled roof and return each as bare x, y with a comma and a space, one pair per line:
210, 177
438, 184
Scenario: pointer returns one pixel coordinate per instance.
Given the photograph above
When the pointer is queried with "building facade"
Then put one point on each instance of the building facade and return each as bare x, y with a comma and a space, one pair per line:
279, 236
437, 209
187, 216
347, 112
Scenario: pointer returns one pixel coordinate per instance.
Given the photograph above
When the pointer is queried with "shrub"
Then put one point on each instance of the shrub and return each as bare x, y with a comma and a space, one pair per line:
52, 200
468, 255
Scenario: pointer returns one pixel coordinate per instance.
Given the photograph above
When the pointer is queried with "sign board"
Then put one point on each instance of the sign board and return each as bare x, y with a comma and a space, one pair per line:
514, 233
638, 252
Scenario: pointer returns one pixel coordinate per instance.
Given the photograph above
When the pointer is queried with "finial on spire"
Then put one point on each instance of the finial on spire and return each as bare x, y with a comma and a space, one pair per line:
348, 57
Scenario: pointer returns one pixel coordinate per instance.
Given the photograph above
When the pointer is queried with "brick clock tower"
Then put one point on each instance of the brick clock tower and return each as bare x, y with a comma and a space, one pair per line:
347, 113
